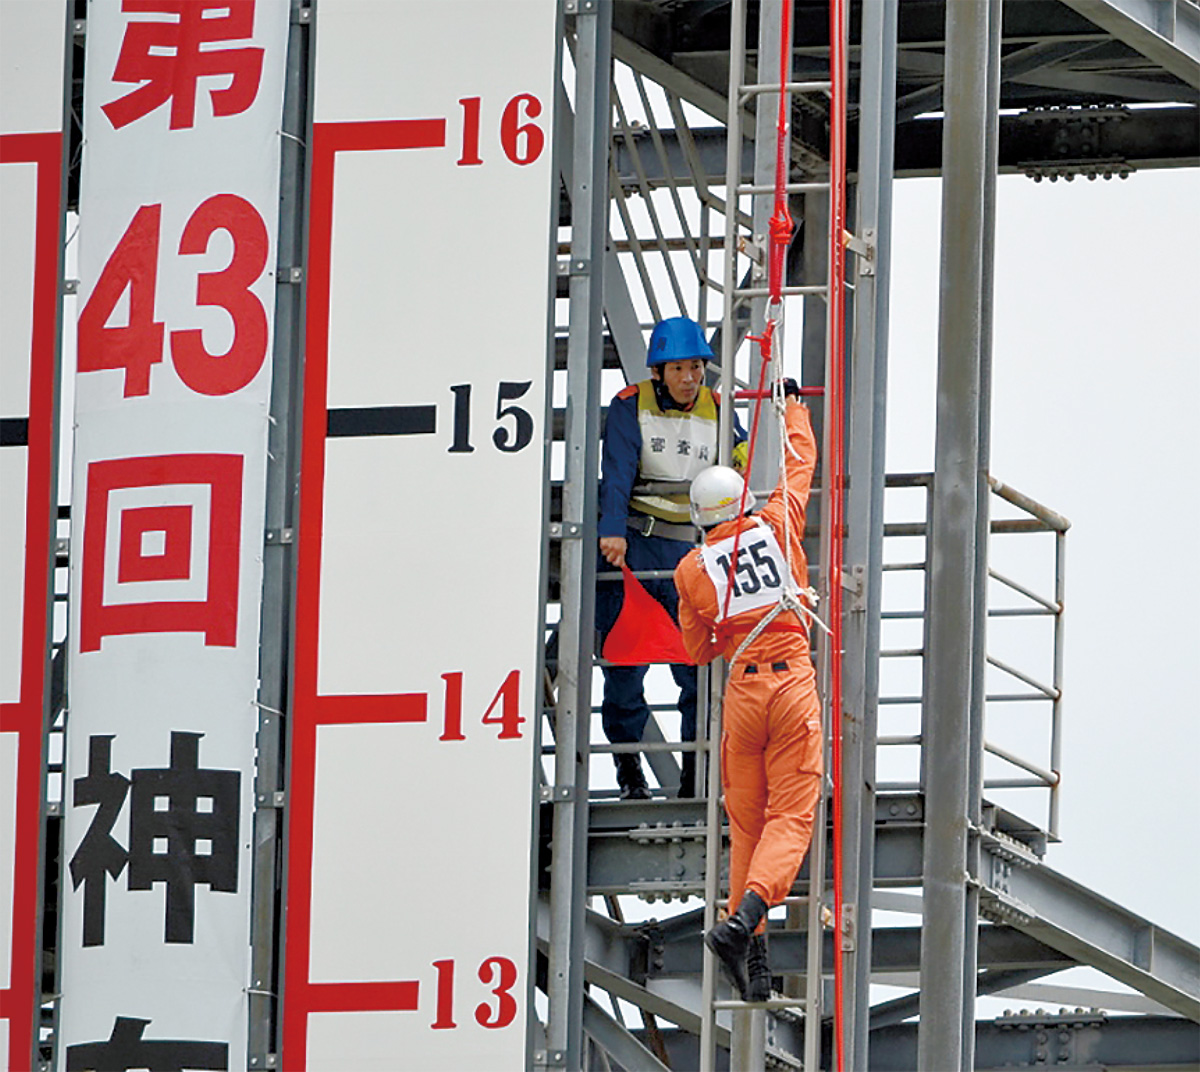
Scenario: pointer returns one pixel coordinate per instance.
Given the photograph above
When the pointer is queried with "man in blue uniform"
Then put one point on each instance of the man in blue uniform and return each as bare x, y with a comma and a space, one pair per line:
661, 429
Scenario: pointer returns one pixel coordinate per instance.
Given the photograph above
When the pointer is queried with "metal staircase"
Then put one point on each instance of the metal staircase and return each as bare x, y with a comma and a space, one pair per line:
684, 237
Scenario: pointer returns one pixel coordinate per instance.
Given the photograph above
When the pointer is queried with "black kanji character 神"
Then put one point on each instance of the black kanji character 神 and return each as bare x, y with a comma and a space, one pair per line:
125, 1049
183, 830
98, 853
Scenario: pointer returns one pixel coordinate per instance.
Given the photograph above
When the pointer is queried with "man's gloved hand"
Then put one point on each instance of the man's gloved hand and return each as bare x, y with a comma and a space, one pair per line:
791, 389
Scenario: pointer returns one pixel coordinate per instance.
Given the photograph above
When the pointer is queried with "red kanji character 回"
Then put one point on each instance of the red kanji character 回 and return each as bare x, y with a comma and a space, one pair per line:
169, 59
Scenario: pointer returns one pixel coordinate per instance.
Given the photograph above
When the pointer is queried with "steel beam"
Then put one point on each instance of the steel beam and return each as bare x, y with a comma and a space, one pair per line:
625, 331
674, 952
953, 618
991, 112
765, 70
1093, 930
1164, 31
622, 319
669, 862
589, 233
1075, 1040
279, 561
1145, 138
673, 78
864, 507
614, 1039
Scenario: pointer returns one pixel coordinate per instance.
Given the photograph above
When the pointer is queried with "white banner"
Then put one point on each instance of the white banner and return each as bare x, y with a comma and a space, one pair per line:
177, 263
420, 545
32, 79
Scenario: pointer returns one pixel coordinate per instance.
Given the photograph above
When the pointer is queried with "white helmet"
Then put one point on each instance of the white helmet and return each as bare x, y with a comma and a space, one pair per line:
717, 496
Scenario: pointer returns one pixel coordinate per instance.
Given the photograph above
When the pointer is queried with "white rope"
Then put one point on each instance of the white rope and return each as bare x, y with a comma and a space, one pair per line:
790, 595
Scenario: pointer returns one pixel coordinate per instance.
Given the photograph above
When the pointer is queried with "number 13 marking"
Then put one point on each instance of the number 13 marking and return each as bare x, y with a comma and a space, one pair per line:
499, 973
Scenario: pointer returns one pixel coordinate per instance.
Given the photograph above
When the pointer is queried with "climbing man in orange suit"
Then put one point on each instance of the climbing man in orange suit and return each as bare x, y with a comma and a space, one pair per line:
738, 598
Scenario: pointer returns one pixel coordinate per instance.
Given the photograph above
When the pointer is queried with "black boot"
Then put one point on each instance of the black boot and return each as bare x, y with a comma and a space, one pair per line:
758, 969
687, 775
630, 777
730, 938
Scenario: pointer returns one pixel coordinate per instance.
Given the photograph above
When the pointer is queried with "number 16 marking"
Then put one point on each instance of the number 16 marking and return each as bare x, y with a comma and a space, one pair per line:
521, 139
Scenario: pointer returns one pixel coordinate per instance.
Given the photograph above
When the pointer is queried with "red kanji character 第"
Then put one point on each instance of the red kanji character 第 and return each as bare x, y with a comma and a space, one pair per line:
169, 58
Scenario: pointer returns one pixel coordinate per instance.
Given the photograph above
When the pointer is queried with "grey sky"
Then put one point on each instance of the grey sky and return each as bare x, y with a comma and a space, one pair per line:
1096, 379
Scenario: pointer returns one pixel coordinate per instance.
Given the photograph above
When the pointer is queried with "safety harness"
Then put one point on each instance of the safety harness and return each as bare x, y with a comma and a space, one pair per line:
801, 602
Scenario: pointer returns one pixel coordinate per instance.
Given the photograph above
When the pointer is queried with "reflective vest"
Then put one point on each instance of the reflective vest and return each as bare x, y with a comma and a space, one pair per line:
676, 445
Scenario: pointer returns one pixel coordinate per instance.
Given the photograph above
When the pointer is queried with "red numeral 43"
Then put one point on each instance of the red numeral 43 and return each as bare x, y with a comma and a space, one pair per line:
137, 345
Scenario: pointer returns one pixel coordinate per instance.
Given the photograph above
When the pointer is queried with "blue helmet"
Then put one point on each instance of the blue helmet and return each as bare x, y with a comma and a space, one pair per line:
677, 339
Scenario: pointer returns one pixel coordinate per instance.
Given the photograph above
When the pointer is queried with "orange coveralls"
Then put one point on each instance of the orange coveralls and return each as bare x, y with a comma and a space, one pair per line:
771, 753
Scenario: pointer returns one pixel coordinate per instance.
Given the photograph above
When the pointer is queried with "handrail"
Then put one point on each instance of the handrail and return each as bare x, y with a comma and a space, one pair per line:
1037, 518
1053, 520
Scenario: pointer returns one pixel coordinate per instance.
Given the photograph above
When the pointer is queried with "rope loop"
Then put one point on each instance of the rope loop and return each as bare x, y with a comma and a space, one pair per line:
781, 227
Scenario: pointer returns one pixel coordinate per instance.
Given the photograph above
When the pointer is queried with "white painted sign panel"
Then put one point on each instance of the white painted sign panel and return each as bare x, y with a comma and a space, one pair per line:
421, 535
177, 263
32, 79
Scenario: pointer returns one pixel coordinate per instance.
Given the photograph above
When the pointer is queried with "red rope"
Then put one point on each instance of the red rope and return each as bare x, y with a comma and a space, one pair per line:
835, 416
780, 230
781, 225
764, 347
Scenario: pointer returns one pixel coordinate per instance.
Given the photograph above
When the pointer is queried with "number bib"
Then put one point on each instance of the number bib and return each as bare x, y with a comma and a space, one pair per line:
757, 576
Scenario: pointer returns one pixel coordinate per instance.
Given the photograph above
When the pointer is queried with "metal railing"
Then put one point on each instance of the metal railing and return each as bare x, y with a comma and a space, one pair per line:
1016, 769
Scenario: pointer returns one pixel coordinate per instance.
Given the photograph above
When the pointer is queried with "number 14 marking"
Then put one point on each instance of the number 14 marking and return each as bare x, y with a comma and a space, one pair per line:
508, 697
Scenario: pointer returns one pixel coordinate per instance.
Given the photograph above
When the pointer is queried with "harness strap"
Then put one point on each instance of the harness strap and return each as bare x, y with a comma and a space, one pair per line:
788, 600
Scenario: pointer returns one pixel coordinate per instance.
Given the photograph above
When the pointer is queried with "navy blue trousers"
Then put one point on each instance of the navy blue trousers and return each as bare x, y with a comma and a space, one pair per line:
624, 711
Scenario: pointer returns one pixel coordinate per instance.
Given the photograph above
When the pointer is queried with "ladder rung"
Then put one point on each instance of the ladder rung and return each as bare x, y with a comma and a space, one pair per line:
649, 746
772, 1004
791, 188
790, 87
765, 292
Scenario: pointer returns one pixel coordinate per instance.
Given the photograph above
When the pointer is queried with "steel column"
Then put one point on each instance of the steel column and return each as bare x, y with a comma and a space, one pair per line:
864, 509
748, 1043
279, 562
953, 611
766, 114
716, 677
589, 231
991, 132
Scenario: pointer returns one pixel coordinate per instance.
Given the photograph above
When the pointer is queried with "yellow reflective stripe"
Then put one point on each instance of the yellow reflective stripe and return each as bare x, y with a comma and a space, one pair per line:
705, 407
675, 509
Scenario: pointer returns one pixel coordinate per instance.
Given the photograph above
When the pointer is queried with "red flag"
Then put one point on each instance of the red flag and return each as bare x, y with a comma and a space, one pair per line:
643, 632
